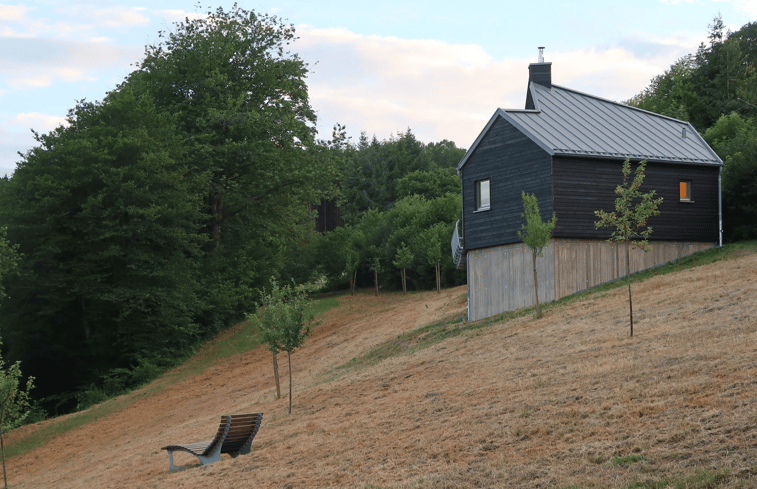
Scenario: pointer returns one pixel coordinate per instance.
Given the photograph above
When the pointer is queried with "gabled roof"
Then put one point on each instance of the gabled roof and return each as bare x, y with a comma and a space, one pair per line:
571, 123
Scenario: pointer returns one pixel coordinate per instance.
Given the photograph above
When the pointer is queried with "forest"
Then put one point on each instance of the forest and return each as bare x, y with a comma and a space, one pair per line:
160, 215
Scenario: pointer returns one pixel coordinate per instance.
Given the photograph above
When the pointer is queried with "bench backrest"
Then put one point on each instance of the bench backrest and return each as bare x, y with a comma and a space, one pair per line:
241, 428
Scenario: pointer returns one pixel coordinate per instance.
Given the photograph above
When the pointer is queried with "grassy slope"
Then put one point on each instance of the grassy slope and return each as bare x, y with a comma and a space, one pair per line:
720, 474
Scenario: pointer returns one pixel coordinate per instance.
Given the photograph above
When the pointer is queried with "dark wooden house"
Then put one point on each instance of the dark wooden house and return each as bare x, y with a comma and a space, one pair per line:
567, 148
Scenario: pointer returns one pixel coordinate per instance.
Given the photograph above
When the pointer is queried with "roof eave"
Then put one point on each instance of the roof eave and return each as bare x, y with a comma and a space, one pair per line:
636, 157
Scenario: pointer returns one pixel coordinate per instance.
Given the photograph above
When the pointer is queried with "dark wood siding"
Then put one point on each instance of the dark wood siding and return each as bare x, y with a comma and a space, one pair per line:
514, 164
582, 186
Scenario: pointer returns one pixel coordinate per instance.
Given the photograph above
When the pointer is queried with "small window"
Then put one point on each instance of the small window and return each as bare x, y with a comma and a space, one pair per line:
482, 195
685, 190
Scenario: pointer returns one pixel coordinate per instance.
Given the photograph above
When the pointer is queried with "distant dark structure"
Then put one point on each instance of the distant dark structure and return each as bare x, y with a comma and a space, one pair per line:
567, 148
329, 217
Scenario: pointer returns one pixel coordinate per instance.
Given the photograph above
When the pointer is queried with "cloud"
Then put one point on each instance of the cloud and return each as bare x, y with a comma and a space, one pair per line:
448, 91
29, 63
15, 135
117, 17
13, 12
181, 15
748, 6
39, 122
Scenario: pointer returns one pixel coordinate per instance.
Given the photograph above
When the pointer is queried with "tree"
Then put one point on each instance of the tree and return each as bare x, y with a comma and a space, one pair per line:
735, 140
14, 403
536, 234
374, 265
108, 222
8, 258
433, 243
285, 322
242, 110
630, 219
403, 259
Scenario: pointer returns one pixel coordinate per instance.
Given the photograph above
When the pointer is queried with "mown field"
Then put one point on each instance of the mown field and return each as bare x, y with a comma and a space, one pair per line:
399, 391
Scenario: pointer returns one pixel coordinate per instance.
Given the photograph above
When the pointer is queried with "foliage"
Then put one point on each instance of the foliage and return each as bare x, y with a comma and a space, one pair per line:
735, 140
14, 402
535, 234
108, 221
671, 93
430, 184
285, 321
403, 259
379, 173
718, 79
629, 220
159, 213
8, 258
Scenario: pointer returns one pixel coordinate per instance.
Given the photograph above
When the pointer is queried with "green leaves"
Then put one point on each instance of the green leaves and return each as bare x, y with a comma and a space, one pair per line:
283, 317
632, 210
8, 258
535, 232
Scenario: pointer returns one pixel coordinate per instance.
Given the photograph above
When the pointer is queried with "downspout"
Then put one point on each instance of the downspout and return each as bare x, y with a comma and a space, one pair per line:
467, 287
720, 207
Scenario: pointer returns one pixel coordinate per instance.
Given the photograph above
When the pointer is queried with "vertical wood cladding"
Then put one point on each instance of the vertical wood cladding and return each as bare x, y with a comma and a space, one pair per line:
582, 186
514, 164
502, 279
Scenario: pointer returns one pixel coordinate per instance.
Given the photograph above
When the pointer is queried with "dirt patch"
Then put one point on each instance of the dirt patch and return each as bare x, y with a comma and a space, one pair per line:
525, 403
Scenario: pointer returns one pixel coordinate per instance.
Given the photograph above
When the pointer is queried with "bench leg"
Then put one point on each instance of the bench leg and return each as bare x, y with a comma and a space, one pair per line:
213, 456
170, 461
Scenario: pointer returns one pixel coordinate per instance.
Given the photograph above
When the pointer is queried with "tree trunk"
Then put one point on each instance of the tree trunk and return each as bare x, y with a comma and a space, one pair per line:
438, 279
404, 281
2, 449
216, 209
628, 274
276, 375
536, 288
353, 280
289, 354
375, 280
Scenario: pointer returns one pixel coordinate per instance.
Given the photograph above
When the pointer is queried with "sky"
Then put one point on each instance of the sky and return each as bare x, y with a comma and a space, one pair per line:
439, 68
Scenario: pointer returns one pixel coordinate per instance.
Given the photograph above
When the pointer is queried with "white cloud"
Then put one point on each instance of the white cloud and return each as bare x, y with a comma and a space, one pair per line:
181, 15
748, 6
121, 17
448, 91
39, 122
13, 12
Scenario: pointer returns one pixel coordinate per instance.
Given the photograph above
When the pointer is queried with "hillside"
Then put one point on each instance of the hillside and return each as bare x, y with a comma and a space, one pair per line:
566, 401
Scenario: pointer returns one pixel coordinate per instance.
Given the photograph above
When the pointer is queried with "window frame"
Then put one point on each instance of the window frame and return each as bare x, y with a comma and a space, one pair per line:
688, 197
479, 206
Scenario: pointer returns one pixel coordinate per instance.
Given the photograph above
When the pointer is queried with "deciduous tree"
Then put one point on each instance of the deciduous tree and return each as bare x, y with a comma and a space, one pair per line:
536, 234
285, 322
629, 220
403, 259
14, 402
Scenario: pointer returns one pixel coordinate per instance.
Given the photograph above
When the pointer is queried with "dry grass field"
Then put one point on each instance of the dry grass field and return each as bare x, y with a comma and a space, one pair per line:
567, 401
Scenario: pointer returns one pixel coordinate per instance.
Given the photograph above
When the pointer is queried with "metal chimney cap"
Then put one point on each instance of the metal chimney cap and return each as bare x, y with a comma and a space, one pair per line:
541, 54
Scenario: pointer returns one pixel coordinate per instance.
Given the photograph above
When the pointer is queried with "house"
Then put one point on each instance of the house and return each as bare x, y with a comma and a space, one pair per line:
567, 148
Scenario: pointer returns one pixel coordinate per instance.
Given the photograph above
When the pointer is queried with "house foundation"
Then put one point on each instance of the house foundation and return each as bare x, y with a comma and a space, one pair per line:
500, 278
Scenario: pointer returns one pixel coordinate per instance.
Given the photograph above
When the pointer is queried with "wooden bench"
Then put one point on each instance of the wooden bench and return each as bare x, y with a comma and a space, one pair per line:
234, 437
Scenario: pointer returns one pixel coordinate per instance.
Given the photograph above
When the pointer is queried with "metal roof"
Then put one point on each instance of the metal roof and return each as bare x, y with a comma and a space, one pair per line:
568, 122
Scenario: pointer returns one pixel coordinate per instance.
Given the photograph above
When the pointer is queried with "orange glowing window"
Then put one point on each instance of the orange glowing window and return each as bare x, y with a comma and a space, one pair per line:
685, 190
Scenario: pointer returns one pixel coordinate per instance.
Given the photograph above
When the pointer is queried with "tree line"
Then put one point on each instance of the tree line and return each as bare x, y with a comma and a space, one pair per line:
716, 90
160, 215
